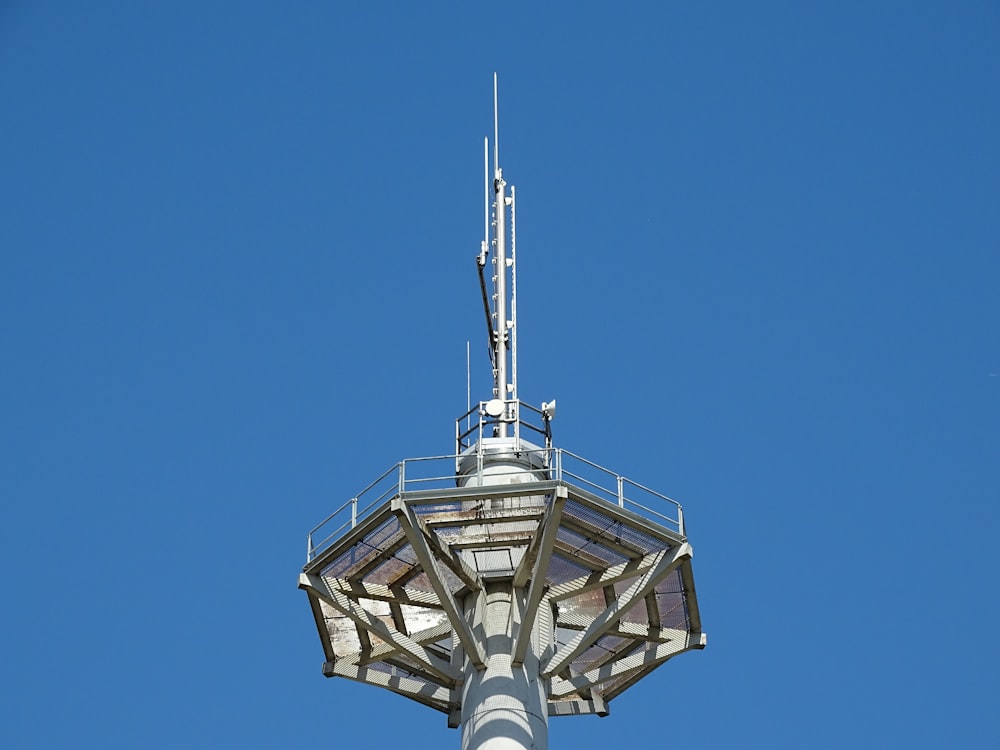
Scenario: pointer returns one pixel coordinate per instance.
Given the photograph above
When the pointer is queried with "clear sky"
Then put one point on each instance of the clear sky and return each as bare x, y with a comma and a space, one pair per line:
759, 255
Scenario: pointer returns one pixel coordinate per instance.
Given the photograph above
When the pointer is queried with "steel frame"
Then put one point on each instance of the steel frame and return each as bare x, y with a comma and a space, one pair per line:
433, 677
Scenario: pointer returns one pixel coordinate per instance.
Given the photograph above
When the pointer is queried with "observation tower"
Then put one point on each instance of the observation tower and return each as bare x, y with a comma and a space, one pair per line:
511, 580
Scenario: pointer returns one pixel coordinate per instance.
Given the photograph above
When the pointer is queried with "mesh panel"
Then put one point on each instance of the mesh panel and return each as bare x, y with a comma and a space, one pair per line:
604, 527
561, 570
382, 537
671, 602
672, 584
589, 604
389, 571
420, 583
452, 581
606, 649
637, 613
613, 685
591, 657
591, 547
622, 586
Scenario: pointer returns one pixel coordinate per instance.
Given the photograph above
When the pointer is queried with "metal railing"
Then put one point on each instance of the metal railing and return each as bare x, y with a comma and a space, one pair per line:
438, 473
534, 421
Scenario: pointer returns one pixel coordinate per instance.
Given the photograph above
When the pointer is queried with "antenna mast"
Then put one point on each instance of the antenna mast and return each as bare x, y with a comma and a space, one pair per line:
502, 318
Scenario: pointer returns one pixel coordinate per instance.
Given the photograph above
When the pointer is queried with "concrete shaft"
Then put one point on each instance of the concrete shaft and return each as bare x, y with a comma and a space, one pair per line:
504, 706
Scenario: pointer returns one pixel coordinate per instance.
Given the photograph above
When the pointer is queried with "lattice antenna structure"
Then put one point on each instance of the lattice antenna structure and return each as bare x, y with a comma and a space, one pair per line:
511, 580
501, 307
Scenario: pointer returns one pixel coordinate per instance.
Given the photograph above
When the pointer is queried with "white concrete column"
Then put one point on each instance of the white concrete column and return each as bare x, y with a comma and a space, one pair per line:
504, 707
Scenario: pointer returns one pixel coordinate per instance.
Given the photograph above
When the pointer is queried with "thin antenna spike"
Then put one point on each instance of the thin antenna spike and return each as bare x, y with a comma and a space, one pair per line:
486, 198
496, 129
501, 373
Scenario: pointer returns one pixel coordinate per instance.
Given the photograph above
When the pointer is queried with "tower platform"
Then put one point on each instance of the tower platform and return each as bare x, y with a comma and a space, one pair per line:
597, 570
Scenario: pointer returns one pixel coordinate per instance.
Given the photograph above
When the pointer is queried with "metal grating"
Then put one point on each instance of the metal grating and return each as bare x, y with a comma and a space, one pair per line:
561, 569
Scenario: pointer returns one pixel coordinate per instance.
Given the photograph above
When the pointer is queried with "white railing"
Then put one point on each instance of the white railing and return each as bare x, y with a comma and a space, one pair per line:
438, 473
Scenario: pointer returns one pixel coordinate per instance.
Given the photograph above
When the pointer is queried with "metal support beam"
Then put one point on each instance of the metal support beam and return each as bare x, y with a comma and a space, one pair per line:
579, 707
542, 543
435, 696
492, 539
321, 628
608, 619
642, 658
633, 630
537, 559
352, 610
481, 516
421, 540
419, 535
378, 592
695, 641
600, 579
387, 650
693, 613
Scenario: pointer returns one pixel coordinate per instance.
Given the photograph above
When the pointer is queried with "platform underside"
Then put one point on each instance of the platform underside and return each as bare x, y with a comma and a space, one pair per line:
616, 590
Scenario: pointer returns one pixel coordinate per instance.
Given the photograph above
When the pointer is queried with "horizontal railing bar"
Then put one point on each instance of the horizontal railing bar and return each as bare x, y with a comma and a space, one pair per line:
595, 486
428, 458
674, 521
584, 460
651, 492
425, 480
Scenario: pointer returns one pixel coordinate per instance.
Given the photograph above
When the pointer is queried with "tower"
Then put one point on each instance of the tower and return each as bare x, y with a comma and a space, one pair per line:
511, 580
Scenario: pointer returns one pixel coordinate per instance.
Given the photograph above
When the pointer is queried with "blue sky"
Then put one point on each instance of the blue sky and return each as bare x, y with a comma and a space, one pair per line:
759, 250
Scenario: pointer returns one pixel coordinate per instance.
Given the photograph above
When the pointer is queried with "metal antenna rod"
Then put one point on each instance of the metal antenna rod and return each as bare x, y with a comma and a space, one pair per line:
496, 126
484, 251
486, 200
499, 268
513, 294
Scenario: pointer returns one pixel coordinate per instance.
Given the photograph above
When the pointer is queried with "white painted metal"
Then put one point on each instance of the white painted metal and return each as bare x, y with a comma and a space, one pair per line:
500, 285
505, 706
504, 315
518, 583
513, 298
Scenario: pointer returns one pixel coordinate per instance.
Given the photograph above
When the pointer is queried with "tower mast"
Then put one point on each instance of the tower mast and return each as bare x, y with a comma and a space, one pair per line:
504, 339
511, 581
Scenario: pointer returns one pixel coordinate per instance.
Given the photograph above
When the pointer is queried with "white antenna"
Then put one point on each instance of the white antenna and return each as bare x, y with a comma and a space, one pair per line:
504, 385
513, 293
496, 126
486, 201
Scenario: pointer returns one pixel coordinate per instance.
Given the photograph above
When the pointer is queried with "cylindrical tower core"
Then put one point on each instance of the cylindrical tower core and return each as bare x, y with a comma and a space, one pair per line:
504, 706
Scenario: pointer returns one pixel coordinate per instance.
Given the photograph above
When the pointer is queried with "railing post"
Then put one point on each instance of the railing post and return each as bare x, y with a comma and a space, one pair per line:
402, 477
680, 520
558, 464
309, 547
479, 452
621, 492
354, 512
